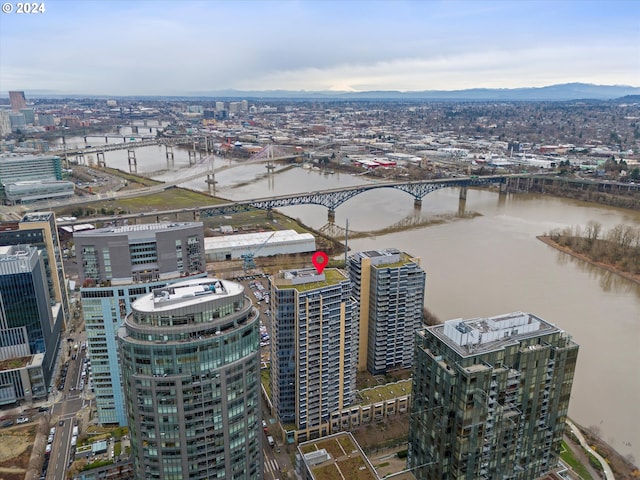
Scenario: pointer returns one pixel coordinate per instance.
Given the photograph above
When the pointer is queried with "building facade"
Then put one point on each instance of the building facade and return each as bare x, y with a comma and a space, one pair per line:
389, 287
17, 101
39, 229
117, 266
191, 372
490, 398
314, 349
30, 325
32, 177
140, 253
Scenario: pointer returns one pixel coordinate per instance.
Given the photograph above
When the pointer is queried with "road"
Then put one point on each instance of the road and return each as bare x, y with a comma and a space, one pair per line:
70, 402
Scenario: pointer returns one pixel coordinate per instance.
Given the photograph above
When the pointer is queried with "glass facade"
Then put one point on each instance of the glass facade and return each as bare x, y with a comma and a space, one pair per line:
105, 308
25, 302
490, 408
191, 375
389, 286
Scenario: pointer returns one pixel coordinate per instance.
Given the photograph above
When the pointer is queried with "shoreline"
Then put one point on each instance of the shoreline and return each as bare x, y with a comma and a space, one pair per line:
627, 275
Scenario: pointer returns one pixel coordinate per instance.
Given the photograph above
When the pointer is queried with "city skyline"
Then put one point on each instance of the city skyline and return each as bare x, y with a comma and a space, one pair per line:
187, 48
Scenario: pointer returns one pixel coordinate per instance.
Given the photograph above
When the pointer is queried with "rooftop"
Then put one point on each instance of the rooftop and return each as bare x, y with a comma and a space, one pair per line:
140, 229
309, 279
343, 458
252, 239
479, 335
385, 392
190, 292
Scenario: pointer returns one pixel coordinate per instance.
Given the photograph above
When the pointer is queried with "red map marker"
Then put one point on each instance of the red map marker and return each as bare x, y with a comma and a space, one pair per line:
320, 260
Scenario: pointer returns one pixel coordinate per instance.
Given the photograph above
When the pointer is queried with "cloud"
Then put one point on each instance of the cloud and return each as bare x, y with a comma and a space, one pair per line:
161, 47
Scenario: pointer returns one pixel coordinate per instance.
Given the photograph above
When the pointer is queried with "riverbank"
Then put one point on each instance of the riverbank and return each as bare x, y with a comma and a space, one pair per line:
629, 276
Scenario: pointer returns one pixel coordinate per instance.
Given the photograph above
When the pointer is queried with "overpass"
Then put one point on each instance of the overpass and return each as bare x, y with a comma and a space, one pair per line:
331, 199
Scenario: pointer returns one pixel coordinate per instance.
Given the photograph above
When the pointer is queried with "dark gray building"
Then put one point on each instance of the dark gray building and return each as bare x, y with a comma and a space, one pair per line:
191, 373
139, 253
490, 398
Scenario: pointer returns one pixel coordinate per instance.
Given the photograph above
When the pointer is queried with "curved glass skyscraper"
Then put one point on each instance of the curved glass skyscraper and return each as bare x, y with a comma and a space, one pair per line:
191, 373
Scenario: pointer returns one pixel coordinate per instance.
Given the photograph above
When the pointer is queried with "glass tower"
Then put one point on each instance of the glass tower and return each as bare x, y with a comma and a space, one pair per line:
191, 373
490, 398
389, 287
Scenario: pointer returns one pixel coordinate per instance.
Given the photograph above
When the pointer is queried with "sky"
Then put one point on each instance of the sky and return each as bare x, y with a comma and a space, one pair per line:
176, 47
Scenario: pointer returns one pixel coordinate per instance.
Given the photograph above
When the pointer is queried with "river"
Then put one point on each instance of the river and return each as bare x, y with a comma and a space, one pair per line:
485, 264
492, 263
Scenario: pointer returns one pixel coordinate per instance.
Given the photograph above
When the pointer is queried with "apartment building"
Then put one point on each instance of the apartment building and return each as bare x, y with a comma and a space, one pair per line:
489, 398
191, 375
389, 287
313, 349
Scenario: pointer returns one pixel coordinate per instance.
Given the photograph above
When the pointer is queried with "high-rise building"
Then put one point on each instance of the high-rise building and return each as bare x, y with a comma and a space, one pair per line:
5, 123
17, 101
39, 229
490, 398
191, 373
29, 325
117, 266
389, 287
314, 349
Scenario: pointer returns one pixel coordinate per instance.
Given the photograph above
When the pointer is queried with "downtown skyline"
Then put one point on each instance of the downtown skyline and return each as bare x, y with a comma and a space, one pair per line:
198, 47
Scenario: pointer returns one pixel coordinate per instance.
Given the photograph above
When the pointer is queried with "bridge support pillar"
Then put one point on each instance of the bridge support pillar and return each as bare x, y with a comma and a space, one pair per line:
192, 157
106, 139
85, 139
504, 188
80, 160
463, 193
100, 159
331, 216
270, 166
211, 182
133, 163
417, 203
270, 213
462, 206
168, 150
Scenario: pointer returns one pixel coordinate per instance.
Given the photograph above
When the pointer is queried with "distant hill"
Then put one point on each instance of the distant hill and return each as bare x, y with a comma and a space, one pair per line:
562, 92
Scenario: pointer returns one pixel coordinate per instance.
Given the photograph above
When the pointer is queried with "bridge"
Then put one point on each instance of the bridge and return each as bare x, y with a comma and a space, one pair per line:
330, 199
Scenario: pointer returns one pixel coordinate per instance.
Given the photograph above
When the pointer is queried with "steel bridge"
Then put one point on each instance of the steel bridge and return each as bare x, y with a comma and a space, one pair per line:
332, 199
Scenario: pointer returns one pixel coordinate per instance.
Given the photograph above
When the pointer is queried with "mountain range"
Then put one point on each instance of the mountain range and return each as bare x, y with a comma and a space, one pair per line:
560, 92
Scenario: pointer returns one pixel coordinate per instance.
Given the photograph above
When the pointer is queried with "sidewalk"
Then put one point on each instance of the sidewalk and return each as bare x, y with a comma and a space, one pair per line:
608, 473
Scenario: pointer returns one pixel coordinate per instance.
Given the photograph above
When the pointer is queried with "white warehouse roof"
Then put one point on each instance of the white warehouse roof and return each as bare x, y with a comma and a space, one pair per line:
261, 244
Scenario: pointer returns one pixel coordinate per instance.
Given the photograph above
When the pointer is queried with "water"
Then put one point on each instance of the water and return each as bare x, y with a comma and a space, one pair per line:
481, 265
492, 263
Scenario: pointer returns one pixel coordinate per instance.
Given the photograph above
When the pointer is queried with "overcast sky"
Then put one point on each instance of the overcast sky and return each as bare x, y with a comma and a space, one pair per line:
172, 47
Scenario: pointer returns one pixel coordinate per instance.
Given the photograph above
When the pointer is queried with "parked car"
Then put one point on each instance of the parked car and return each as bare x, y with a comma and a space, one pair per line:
22, 420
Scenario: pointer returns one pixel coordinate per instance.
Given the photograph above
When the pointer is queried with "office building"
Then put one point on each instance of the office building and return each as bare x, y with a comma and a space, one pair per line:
29, 325
140, 253
32, 177
389, 287
489, 398
39, 229
117, 266
314, 349
191, 372
17, 101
